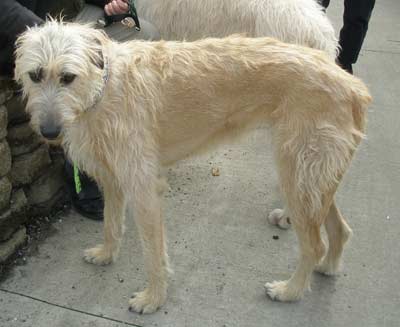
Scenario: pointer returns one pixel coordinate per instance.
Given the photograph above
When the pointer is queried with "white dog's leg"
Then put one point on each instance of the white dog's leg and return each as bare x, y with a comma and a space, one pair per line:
114, 216
338, 233
280, 218
149, 221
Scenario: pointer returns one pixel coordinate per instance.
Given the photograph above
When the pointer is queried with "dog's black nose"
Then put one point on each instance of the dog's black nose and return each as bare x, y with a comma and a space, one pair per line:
50, 132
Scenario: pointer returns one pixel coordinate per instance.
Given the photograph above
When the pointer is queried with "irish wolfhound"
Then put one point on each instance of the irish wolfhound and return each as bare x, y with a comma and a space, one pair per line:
294, 21
124, 110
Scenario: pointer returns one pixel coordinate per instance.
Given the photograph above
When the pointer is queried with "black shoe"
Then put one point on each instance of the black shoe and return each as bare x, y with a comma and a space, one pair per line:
86, 197
89, 208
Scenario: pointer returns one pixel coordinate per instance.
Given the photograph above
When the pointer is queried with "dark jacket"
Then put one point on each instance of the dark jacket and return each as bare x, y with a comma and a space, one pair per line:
16, 15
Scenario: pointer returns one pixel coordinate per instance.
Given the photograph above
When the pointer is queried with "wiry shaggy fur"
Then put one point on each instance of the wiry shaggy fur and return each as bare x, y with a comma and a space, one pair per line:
166, 100
294, 21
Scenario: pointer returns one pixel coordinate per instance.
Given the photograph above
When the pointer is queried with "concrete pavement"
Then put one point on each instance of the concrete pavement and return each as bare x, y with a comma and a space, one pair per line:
220, 244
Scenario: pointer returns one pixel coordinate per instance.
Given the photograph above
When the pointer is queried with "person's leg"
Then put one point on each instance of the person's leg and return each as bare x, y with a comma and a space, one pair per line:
355, 25
84, 192
67, 9
324, 3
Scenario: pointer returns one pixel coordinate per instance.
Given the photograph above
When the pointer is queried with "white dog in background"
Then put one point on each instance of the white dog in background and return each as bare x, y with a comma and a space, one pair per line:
294, 21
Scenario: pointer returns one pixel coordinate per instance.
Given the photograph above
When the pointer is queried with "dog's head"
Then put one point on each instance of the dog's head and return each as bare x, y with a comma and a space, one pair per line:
61, 69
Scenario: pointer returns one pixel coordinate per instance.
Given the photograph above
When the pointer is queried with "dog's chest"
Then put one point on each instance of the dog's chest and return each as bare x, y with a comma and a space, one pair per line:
79, 146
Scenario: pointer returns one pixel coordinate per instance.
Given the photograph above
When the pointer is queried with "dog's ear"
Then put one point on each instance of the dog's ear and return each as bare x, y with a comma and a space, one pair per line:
98, 59
23, 55
96, 39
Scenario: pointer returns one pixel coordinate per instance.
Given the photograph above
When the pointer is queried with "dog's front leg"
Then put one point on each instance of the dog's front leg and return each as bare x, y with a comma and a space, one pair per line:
114, 216
150, 225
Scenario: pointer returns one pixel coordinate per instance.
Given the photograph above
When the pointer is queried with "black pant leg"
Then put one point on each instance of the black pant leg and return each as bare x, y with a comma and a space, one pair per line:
355, 25
324, 3
89, 189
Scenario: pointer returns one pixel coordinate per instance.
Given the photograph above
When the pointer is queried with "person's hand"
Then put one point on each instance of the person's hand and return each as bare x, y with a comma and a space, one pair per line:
116, 7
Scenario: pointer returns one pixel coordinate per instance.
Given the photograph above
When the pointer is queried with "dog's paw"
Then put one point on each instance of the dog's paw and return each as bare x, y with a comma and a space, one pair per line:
146, 301
279, 218
280, 291
98, 255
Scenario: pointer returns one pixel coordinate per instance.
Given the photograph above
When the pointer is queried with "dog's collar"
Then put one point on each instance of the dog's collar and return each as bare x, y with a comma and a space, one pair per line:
106, 74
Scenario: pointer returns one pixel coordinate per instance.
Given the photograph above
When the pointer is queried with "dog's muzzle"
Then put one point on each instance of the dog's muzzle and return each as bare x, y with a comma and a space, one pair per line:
50, 130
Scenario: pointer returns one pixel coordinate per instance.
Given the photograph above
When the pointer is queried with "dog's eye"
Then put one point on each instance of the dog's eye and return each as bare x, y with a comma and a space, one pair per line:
36, 76
67, 78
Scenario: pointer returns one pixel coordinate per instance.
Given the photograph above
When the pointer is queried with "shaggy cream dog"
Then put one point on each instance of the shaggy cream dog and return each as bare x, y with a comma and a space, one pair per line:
294, 21
124, 111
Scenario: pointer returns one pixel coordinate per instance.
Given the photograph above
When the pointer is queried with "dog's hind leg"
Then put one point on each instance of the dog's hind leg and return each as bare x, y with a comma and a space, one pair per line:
114, 216
311, 162
150, 224
306, 221
338, 233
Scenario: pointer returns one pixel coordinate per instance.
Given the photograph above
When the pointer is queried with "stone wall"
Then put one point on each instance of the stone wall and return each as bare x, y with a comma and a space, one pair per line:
31, 176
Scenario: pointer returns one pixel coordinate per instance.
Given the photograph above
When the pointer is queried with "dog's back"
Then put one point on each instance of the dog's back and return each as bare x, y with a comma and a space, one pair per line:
239, 82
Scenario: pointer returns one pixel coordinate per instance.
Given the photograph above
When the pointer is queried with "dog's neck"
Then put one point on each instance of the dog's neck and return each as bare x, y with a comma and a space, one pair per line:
105, 77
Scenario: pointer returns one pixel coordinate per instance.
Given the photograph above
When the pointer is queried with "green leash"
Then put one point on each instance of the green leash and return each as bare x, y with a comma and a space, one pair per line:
78, 185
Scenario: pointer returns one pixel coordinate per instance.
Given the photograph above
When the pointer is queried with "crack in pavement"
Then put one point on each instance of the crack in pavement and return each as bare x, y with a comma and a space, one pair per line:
68, 308
382, 51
